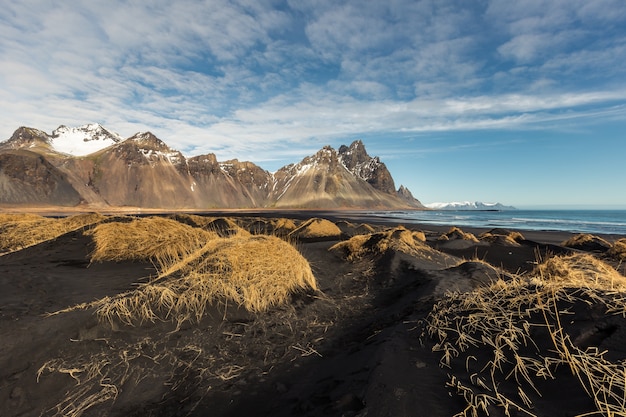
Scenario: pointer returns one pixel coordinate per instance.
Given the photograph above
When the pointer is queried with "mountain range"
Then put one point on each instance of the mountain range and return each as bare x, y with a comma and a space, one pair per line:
93, 167
469, 205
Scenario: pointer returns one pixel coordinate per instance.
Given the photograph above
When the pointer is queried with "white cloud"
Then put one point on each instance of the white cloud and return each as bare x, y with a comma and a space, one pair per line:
253, 80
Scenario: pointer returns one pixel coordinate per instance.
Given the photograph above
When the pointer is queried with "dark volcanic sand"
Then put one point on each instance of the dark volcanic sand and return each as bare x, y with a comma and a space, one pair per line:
356, 348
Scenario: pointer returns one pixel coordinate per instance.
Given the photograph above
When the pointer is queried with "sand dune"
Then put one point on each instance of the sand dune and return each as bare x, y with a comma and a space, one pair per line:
278, 314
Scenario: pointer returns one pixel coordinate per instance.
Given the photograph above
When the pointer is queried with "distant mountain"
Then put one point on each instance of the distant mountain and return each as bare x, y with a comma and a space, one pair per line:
93, 166
468, 205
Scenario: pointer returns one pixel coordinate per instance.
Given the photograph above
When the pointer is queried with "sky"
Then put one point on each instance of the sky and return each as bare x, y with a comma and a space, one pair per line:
520, 102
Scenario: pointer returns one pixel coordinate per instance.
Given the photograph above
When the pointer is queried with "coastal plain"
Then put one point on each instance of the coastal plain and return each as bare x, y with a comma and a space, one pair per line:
310, 313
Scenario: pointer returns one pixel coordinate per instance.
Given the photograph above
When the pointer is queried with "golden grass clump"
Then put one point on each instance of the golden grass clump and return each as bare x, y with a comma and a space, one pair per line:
580, 270
256, 272
399, 239
161, 240
316, 228
24, 230
618, 249
586, 241
500, 341
282, 226
456, 233
508, 238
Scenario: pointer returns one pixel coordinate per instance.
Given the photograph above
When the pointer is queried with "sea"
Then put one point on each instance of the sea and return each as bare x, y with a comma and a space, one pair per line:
578, 221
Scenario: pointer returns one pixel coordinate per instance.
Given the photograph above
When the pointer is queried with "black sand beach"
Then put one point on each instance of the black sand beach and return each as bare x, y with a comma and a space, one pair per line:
359, 345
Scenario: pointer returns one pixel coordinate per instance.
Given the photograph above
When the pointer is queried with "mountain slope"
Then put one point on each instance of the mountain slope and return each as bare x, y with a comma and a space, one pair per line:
142, 171
29, 178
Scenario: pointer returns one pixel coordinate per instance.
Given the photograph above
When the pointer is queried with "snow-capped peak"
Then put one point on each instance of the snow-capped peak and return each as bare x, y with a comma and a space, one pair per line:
468, 205
82, 140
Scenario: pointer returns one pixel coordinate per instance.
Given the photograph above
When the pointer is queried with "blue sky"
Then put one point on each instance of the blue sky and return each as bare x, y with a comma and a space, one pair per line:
522, 102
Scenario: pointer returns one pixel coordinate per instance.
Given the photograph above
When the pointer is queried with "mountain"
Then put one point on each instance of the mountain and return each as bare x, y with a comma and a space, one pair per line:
324, 180
468, 205
76, 141
93, 166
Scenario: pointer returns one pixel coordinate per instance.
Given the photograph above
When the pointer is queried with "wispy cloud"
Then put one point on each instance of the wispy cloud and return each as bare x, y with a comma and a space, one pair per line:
253, 79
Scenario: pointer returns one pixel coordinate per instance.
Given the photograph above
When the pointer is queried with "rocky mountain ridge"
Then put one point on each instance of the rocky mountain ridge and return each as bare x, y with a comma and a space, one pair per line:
143, 171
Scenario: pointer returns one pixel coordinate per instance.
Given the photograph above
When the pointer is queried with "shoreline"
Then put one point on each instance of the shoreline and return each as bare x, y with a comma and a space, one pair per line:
550, 236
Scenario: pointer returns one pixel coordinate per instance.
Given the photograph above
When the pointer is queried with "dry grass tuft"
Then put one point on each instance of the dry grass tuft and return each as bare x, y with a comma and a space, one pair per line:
399, 239
161, 240
282, 227
256, 272
580, 271
618, 250
500, 341
24, 230
316, 228
585, 241
456, 233
507, 238
224, 227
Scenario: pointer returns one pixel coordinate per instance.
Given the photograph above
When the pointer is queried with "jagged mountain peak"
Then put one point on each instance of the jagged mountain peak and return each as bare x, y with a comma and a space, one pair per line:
405, 194
149, 141
370, 169
354, 153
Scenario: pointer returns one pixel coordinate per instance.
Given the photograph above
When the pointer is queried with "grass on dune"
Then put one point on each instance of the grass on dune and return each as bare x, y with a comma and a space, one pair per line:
196, 269
18, 231
316, 228
586, 241
456, 233
618, 250
399, 239
508, 238
500, 341
160, 240
255, 272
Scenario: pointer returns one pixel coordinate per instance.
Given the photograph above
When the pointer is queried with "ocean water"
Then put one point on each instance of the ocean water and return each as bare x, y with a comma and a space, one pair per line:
577, 221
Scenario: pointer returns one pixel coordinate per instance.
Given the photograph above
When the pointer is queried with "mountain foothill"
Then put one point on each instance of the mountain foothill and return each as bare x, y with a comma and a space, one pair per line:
90, 166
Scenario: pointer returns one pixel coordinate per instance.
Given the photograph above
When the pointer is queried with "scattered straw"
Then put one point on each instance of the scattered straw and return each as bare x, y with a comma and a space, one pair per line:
498, 341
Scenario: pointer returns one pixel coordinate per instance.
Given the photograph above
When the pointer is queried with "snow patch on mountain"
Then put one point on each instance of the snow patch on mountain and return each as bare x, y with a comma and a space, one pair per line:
82, 140
468, 205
